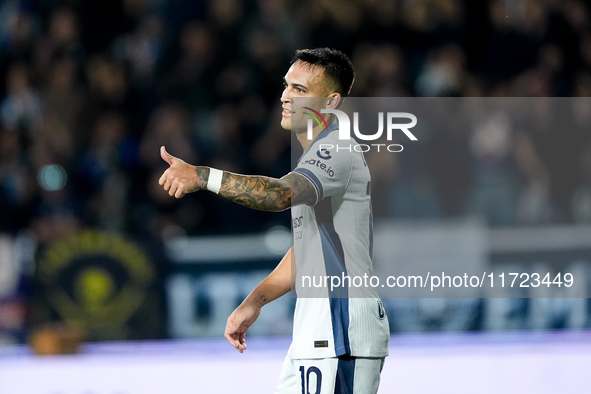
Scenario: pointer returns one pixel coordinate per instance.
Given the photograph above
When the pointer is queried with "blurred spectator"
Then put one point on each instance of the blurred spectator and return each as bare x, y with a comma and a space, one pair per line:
97, 87
64, 98
508, 51
495, 177
106, 171
142, 49
18, 27
443, 74
17, 182
21, 108
581, 200
380, 71
533, 204
62, 39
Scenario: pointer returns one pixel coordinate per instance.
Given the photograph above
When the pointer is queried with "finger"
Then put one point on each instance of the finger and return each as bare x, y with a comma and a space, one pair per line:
242, 340
167, 184
229, 338
163, 178
167, 157
231, 335
173, 189
179, 192
240, 347
233, 341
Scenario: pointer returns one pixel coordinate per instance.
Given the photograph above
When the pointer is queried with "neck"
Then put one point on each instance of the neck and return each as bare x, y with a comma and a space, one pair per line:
302, 137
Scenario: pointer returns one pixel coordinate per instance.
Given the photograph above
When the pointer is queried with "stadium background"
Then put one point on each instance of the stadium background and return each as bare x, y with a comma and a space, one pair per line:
92, 89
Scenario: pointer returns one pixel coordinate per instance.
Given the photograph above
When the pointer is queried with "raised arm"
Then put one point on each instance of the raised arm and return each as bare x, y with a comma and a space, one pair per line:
272, 287
252, 191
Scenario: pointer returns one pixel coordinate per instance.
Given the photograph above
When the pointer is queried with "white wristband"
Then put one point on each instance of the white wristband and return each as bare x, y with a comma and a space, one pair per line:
214, 181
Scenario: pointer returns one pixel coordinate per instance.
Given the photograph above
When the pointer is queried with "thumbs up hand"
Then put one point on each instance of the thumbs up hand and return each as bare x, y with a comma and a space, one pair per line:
180, 178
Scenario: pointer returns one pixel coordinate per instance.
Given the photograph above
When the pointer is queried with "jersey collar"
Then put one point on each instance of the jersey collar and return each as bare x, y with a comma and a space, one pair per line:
331, 127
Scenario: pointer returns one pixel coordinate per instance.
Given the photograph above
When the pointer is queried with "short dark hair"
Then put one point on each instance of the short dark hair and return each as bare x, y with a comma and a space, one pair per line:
336, 65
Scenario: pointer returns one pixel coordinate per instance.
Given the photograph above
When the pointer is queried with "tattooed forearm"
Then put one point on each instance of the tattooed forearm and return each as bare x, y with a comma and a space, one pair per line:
257, 192
302, 189
266, 194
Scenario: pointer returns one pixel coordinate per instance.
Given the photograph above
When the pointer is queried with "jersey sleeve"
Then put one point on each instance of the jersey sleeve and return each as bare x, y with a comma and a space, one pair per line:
329, 170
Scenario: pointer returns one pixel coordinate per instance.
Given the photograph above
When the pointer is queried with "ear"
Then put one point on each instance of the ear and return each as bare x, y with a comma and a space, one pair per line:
333, 100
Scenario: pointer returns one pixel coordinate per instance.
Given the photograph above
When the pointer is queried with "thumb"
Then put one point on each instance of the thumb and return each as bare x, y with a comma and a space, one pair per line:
167, 157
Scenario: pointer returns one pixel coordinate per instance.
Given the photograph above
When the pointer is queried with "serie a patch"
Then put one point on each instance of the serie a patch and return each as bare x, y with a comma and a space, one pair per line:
320, 344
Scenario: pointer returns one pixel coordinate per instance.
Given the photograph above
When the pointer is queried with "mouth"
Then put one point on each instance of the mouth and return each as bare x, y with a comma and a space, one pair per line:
286, 112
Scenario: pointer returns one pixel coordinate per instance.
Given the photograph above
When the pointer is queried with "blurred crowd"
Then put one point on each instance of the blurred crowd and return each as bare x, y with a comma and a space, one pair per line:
93, 88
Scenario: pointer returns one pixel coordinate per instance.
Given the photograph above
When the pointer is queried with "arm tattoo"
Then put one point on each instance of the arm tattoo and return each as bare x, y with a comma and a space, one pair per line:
303, 190
256, 192
265, 193
203, 175
264, 299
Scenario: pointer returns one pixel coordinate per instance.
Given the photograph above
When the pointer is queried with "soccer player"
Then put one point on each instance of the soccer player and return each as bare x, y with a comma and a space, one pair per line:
339, 340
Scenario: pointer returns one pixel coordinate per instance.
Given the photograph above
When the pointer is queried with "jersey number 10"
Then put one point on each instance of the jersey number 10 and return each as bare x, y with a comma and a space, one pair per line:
306, 379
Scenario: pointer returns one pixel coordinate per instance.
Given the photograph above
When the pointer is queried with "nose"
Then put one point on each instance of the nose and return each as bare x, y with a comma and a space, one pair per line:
284, 96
